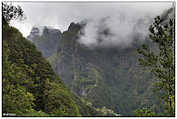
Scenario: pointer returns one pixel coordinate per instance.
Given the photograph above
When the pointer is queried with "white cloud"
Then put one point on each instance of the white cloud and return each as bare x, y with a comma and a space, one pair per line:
61, 14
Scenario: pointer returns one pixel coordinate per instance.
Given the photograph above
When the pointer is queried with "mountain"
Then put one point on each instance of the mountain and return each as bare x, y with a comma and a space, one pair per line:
105, 76
30, 85
46, 39
109, 77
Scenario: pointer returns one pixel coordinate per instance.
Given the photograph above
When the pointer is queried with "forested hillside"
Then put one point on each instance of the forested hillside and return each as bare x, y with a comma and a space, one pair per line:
31, 87
106, 76
90, 69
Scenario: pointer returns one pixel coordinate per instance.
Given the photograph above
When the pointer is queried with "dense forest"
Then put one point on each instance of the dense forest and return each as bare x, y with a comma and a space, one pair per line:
52, 74
31, 87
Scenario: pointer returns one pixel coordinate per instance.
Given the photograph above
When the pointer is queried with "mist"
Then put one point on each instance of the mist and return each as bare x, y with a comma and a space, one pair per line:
108, 23
119, 30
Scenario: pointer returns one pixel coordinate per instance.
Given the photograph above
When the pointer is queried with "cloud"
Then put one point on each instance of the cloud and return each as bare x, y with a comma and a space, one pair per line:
109, 23
115, 30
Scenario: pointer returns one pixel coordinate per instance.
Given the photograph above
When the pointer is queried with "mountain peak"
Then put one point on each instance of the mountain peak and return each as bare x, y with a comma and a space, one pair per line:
74, 26
46, 39
42, 30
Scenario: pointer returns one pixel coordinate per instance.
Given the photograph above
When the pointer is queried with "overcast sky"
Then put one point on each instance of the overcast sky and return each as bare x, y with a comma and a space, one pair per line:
61, 14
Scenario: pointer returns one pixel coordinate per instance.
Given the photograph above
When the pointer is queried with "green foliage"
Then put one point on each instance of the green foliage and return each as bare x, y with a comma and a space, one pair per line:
34, 113
58, 101
161, 63
144, 112
104, 76
16, 99
30, 86
107, 112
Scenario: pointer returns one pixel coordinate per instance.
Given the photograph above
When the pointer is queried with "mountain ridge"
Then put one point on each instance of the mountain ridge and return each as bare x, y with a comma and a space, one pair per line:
105, 76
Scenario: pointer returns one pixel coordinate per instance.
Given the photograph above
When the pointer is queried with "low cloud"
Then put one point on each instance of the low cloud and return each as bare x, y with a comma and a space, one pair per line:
119, 30
108, 23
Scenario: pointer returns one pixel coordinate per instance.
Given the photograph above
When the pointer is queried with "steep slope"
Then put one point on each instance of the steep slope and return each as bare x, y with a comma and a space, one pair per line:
103, 76
26, 70
30, 86
106, 76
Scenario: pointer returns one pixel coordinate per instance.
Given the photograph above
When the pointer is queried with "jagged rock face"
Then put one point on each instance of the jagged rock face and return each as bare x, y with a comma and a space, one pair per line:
34, 32
46, 40
108, 77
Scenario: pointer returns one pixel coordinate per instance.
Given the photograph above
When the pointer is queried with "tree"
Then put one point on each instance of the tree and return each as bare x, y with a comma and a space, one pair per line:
144, 112
16, 98
161, 63
11, 12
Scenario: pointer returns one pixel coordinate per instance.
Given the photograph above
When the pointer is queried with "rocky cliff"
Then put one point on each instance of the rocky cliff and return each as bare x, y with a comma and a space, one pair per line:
105, 76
